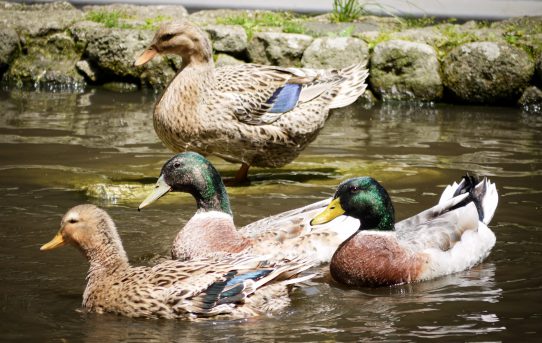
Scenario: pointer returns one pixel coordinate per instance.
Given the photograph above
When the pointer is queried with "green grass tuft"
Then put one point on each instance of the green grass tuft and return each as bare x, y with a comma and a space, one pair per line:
110, 19
346, 10
287, 21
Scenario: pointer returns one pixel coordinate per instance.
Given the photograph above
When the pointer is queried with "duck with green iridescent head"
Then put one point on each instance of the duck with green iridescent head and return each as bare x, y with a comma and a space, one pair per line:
447, 238
211, 231
236, 286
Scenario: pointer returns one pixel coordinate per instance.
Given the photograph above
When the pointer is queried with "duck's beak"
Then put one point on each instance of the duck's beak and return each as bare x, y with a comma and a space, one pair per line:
332, 211
146, 56
54, 243
160, 190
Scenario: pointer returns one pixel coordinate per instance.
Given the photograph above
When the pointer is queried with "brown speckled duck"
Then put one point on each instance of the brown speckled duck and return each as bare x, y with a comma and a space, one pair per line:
251, 114
235, 287
211, 231
447, 238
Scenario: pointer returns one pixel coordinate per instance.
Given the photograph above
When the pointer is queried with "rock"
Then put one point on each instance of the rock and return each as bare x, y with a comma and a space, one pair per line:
146, 17
275, 48
402, 70
39, 19
86, 70
226, 60
335, 52
9, 44
323, 25
111, 52
430, 35
367, 99
209, 17
230, 39
531, 100
48, 63
487, 72
538, 73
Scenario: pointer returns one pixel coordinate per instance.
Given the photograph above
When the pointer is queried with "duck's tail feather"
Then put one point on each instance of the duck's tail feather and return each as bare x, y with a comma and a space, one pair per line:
483, 193
352, 85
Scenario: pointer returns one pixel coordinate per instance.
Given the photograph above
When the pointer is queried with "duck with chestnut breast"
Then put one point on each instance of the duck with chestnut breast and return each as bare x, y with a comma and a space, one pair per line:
256, 115
211, 231
235, 287
447, 238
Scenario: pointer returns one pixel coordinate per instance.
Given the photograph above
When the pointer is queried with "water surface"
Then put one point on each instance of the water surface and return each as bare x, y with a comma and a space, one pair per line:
59, 150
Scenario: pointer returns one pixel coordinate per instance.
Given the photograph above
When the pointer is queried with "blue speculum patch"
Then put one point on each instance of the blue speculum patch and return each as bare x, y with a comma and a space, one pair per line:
285, 98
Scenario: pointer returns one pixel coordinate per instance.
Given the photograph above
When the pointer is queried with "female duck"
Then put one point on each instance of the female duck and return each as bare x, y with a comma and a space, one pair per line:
212, 230
250, 114
444, 239
237, 286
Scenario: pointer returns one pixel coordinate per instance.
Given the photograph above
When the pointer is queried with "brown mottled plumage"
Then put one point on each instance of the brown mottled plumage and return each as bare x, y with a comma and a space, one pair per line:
444, 239
228, 112
211, 231
237, 286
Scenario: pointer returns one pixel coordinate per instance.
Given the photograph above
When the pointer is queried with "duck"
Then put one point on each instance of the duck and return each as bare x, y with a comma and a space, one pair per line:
450, 237
255, 115
237, 286
211, 231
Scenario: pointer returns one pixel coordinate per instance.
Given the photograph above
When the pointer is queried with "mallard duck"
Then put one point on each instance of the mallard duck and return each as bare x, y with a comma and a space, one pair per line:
251, 114
236, 286
211, 231
447, 238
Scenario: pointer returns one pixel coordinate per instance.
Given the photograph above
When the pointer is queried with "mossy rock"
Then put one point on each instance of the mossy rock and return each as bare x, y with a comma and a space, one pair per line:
402, 70
487, 72
47, 63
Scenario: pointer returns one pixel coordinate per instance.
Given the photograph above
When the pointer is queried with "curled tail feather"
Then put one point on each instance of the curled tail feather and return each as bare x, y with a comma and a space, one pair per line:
352, 86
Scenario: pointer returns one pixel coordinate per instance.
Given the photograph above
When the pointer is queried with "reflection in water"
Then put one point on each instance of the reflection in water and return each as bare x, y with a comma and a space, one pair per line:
55, 147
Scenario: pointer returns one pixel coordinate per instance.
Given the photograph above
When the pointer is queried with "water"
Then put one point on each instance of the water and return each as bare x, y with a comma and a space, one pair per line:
55, 149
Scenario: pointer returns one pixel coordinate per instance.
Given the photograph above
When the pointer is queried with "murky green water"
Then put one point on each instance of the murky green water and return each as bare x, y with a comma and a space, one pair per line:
59, 150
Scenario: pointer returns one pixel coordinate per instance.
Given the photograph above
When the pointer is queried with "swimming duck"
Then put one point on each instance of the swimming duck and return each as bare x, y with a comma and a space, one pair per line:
447, 238
211, 231
234, 287
250, 114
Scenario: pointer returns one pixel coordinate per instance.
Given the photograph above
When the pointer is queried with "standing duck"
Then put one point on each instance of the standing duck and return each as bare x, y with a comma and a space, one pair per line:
250, 114
234, 287
211, 231
447, 238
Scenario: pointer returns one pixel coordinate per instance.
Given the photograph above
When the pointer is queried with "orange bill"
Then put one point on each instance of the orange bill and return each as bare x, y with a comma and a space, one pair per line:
145, 57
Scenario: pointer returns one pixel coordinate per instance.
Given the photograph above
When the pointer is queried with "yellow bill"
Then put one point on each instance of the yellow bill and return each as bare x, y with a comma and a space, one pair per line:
145, 57
54, 243
332, 211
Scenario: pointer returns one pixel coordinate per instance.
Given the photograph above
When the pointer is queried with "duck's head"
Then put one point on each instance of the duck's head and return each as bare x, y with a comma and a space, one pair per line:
178, 38
192, 173
87, 227
362, 198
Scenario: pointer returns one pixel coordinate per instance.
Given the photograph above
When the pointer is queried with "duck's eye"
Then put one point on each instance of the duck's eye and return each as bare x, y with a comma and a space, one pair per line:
354, 189
177, 164
167, 37
72, 221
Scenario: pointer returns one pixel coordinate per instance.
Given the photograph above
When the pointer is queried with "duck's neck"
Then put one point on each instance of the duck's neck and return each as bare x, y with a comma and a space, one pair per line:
210, 192
105, 256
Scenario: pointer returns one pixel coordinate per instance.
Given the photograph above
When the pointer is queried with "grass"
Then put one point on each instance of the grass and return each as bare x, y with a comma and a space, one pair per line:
287, 21
346, 10
114, 19
110, 19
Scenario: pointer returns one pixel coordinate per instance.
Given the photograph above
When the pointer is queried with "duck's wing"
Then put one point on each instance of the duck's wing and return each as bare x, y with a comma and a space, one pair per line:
290, 233
259, 95
462, 206
222, 285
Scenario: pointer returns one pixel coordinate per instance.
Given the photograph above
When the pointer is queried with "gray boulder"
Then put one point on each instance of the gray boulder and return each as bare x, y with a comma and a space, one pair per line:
39, 19
278, 48
336, 52
487, 72
531, 100
402, 70
229, 39
539, 70
48, 63
223, 60
111, 53
9, 43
